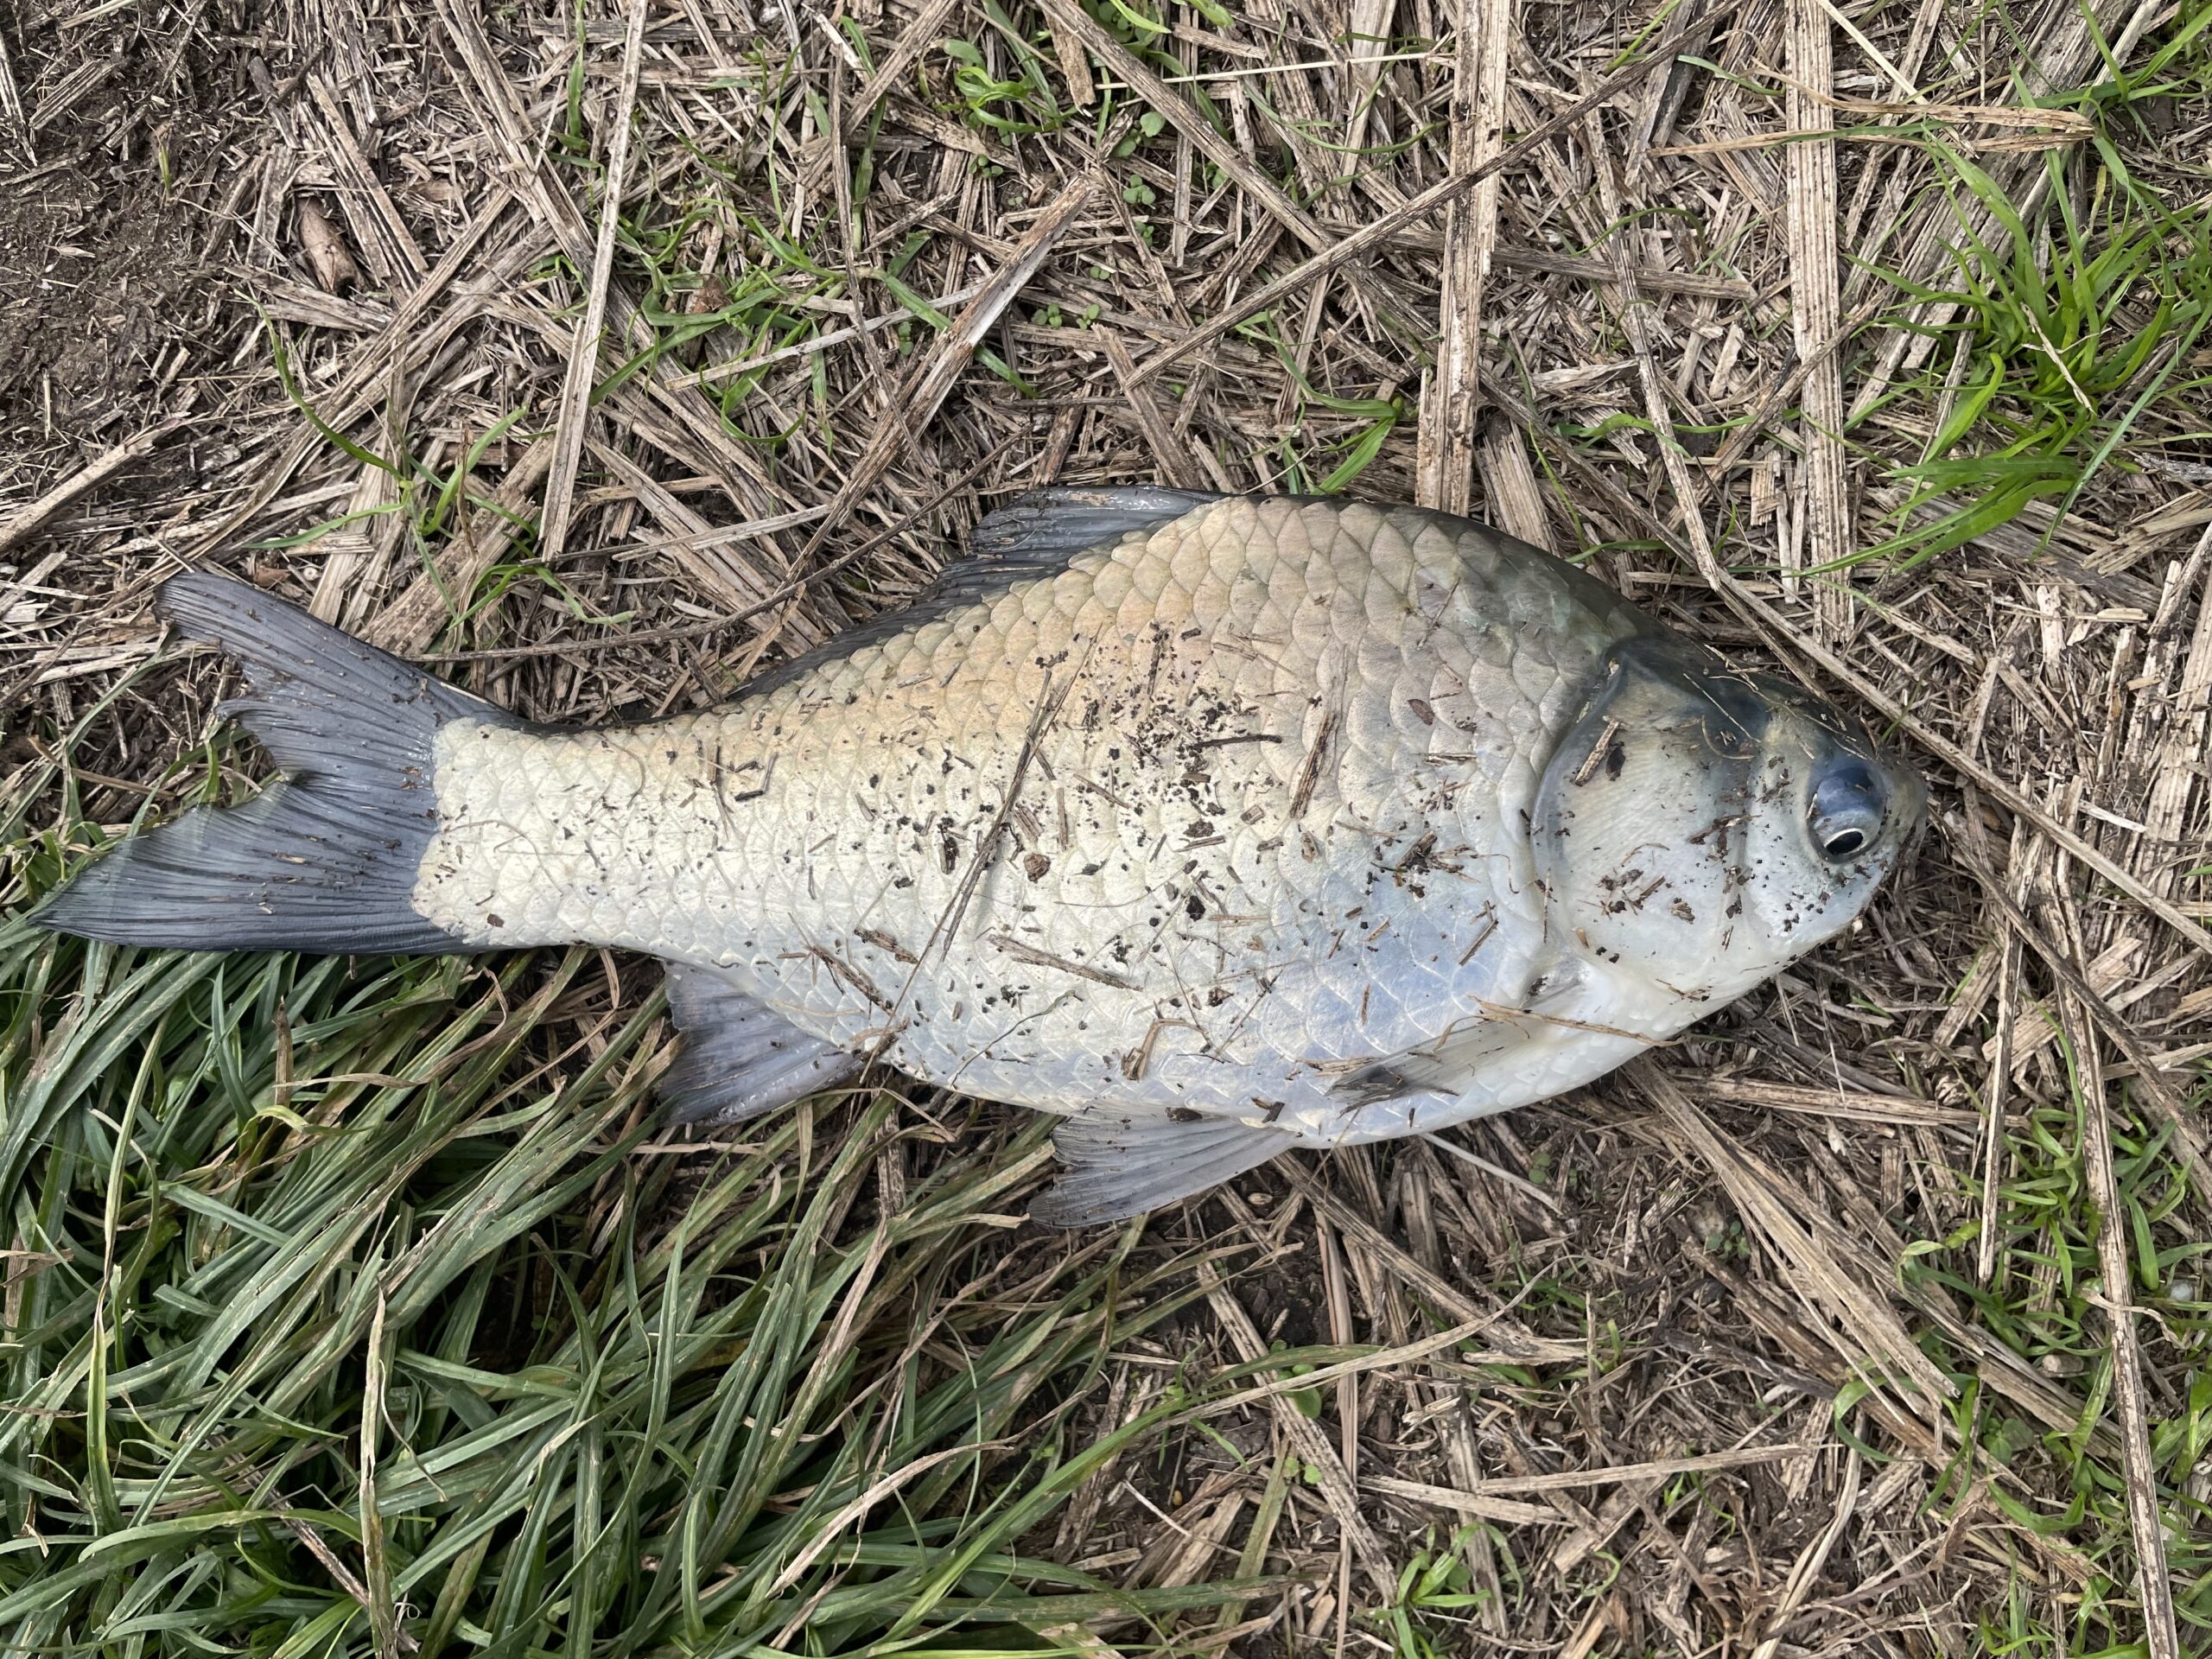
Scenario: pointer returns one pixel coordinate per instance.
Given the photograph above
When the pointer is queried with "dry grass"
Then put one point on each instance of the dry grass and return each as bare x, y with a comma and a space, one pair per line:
1868, 1319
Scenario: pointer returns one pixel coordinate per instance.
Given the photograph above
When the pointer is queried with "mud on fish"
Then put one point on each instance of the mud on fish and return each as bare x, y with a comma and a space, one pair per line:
1219, 825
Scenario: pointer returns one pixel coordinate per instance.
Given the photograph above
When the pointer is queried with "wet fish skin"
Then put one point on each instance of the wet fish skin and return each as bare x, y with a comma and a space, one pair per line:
1218, 824
1272, 763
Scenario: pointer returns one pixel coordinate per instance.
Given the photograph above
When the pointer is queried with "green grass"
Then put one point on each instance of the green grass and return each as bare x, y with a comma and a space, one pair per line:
2075, 354
2073, 345
2062, 353
329, 1276
2045, 1304
1429, 1615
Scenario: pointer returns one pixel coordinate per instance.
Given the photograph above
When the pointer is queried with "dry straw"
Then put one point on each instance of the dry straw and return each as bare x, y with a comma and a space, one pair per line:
605, 356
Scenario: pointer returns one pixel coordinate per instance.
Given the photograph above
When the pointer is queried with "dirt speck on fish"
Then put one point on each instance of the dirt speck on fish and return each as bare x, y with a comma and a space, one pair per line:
1219, 825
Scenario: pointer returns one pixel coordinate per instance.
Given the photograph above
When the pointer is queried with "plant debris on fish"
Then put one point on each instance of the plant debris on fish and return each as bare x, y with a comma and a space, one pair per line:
1220, 825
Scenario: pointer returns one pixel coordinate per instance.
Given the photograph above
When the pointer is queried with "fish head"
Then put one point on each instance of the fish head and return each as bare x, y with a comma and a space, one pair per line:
1698, 827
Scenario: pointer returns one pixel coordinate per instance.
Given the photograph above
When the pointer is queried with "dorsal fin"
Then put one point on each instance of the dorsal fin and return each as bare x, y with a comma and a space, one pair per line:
1050, 527
1036, 536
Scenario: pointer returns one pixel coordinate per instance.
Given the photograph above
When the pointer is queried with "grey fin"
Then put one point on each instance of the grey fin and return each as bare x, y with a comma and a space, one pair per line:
326, 858
1056, 525
1447, 1068
1122, 1165
1450, 1065
738, 1059
1036, 536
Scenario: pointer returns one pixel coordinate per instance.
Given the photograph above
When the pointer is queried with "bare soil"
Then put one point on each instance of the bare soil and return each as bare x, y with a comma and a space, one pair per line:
111, 249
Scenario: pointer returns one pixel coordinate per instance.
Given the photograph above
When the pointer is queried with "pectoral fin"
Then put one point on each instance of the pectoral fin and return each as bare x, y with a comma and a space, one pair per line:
1448, 1067
739, 1058
1452, 1063
1122, 1165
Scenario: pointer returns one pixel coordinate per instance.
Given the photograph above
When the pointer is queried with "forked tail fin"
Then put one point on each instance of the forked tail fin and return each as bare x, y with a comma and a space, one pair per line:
324, 860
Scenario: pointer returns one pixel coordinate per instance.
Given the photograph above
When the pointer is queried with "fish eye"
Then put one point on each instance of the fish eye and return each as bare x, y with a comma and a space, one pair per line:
1848, 804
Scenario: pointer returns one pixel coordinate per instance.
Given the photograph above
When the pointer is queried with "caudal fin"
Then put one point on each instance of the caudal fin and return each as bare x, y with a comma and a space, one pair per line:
324, 860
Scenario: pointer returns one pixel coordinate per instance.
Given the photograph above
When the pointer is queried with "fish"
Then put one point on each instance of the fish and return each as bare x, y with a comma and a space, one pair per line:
1218, 825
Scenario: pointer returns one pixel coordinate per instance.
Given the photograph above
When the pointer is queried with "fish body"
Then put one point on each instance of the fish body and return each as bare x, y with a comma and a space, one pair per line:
1218, 825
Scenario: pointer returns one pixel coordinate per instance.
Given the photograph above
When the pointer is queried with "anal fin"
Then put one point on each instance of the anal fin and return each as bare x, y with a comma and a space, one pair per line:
739, 1058
1122, 1165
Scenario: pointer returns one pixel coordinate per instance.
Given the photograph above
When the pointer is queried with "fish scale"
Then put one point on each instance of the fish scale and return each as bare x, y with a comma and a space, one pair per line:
1216, 824
1253, 715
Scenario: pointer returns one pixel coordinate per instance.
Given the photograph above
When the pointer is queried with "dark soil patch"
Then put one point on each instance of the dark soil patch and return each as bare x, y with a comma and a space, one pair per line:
112, 222
88, 274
